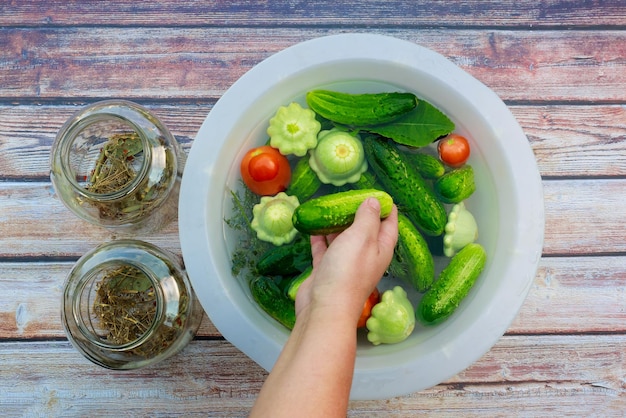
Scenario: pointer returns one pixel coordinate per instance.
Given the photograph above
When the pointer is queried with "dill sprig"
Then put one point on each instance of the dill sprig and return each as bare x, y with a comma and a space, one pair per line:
249, 248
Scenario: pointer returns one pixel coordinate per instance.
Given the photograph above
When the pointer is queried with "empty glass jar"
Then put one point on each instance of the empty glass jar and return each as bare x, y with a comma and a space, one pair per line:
114, 164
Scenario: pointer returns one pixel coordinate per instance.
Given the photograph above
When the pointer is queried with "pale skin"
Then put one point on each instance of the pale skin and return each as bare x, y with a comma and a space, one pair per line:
313, 374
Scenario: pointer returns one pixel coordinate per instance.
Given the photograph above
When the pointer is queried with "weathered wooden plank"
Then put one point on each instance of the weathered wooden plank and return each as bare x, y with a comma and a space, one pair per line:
27, 133
567, 140
575, 295
564, 353
455, 13
30, 305
33, 217
576, 141
570, 295
582, 217
579, 219
202, 63
520, 375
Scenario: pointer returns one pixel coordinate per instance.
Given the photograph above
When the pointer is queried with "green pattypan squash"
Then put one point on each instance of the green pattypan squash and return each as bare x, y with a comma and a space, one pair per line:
392, 319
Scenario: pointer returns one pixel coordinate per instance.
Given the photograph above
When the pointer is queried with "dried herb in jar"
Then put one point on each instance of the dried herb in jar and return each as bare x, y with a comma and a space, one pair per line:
125, 308
116, 168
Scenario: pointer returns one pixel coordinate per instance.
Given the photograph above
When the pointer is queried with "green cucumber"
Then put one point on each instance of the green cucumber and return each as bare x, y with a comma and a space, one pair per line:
286, 260
273, 301
455, 186
406, 185
304, 182
294, 284
335, 212
428, 166
412, 261
367, 181
453, 285
360, 109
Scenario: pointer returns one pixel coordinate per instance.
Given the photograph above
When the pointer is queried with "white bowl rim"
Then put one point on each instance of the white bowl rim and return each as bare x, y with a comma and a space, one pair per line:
261, 342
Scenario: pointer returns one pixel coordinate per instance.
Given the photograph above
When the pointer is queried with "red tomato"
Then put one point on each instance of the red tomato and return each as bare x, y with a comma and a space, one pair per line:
372, 300
454, 150
265, 171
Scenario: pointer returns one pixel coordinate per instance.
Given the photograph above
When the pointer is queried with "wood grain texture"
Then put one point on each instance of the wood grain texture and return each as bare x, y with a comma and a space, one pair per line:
567, 140
570, 295
552, 13
581, 218
518, 377
199, 63
579, 221
576, 141
559, 65
32, 295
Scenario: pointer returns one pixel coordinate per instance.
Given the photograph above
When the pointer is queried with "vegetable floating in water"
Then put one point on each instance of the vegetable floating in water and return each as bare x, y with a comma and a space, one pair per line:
293, 130
360, 109
286, 260
304, 181
460, 230
393, 318
294, 284
454, 150
456, 185
366, 313
412, 261
265, 171
272, 218
401, 179
338, 158
453, 285
273, 300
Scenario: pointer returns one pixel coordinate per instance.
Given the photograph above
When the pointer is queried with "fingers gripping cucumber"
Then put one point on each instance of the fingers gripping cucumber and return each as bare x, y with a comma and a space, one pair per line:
360, 109
453, 284
412, 261
404, 183
335, 212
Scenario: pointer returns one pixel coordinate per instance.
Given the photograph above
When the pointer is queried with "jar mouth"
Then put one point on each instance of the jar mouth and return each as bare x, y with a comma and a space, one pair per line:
76, 128
148, 285
109, 326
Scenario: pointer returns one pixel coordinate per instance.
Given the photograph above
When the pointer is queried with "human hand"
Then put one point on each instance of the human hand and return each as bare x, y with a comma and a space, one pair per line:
347, 266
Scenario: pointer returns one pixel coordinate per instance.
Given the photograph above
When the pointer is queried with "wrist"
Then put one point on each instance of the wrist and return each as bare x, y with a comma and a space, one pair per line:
335, 316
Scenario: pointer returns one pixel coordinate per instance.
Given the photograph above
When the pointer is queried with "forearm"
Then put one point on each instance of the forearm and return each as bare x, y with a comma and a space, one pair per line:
313, 374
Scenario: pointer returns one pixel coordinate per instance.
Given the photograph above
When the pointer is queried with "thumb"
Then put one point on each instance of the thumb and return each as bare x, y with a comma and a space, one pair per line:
367, 216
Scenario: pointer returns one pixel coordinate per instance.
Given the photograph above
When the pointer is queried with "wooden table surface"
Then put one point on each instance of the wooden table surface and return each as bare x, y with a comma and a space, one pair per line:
559, 65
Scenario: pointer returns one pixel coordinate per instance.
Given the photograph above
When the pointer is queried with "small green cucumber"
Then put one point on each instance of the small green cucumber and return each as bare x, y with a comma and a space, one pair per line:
294, 284
453, 285
360, 109
367, 181
335, 212
412, 261
405, 184
455, 186
428, 166
304, 182
273, 301
286, 260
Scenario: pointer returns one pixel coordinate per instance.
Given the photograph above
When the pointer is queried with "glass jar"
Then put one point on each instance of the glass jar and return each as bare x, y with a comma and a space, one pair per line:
114, 164
128, 304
